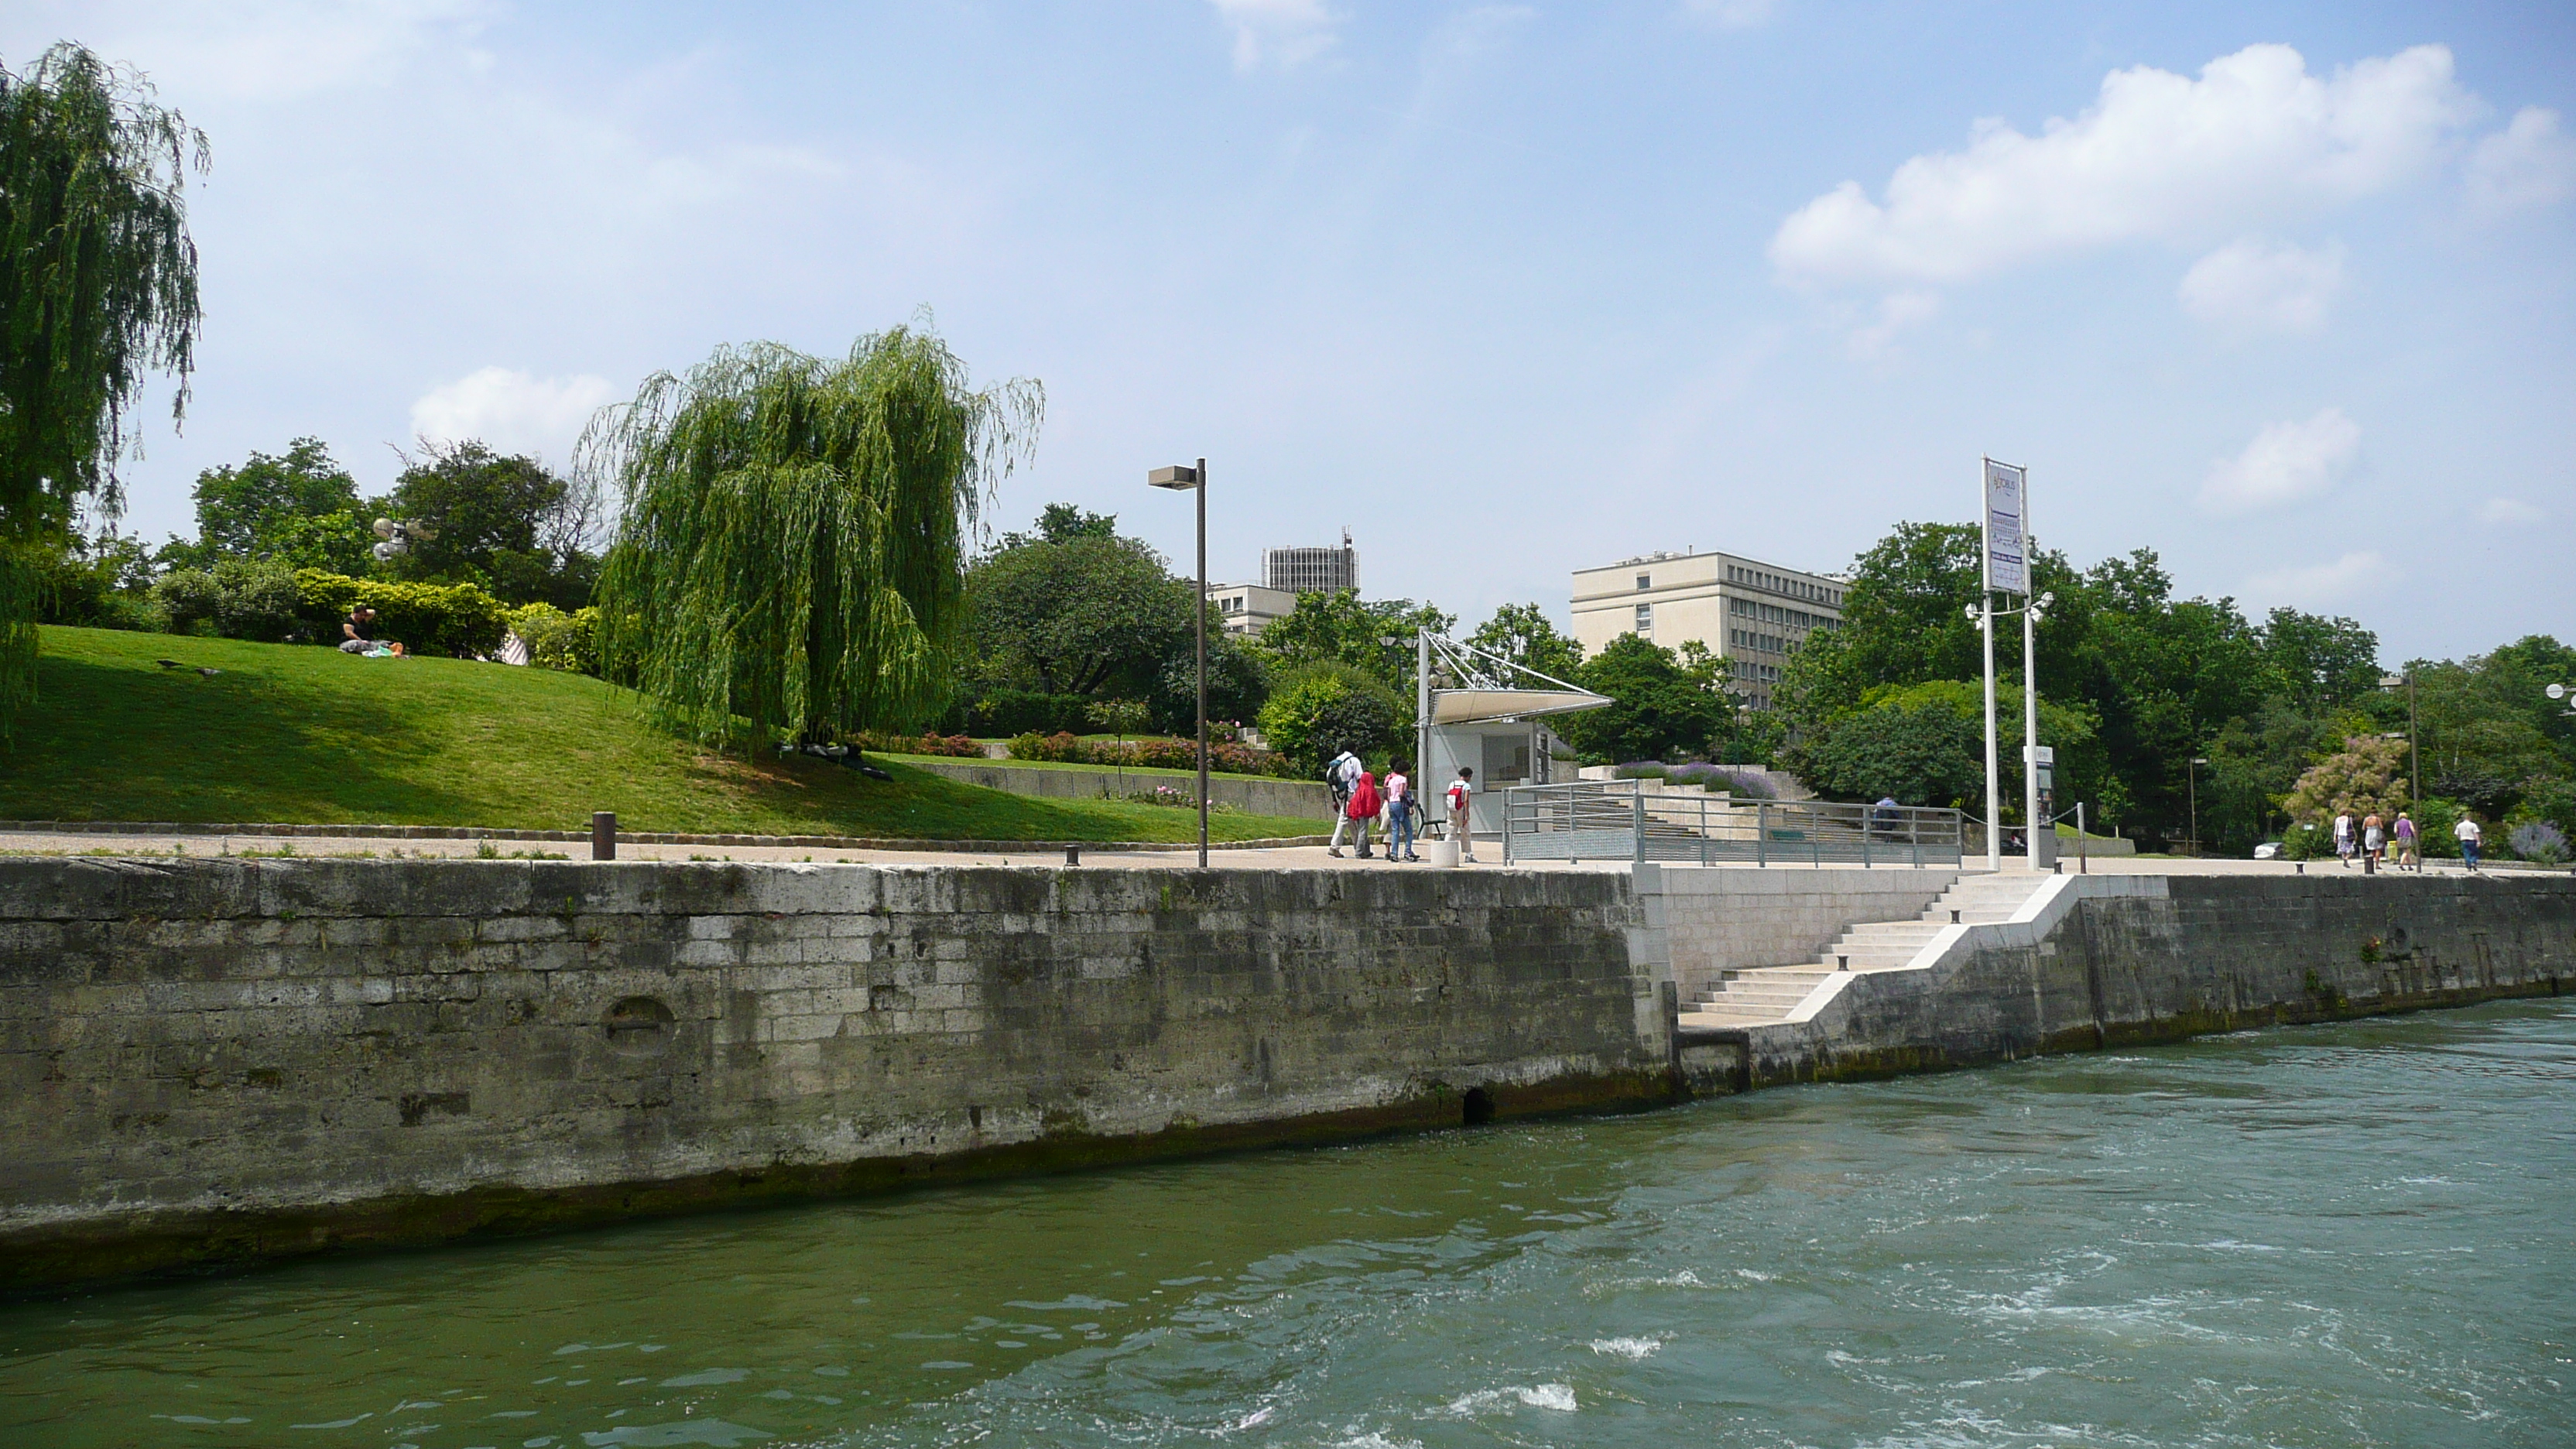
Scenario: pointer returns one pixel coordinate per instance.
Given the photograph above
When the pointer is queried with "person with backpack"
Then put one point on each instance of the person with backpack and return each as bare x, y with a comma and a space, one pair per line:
1338, 778
1459, 791
1361, 812
1399, 814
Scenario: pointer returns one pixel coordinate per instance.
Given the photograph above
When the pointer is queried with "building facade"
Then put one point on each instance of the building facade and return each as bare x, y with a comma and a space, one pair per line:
1747, 612
1294, 571
1247, 609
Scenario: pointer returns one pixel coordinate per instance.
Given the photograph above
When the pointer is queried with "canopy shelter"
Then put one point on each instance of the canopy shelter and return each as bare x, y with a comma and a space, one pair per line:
1478, 709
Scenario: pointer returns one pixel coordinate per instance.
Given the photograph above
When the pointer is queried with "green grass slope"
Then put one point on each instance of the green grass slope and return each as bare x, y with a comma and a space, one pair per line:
303, 735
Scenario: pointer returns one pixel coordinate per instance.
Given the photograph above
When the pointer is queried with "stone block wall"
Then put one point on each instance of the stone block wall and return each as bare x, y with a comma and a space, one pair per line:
212, 1061
1722, 918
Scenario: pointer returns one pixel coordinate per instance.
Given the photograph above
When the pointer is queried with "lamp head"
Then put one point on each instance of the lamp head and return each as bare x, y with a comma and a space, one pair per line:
1180, 477
2556, 691
1974, 616
2047, 599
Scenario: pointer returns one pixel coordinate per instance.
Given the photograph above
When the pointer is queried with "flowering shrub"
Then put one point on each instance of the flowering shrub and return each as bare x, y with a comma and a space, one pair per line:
2539, 841
955, 746
1155, 754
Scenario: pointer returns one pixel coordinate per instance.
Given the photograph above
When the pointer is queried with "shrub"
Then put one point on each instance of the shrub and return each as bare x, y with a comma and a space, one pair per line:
2539, 841
458, 620
1640, 770
1064, 747
1021, 711
186, 598
555, 639
239, 598
1330, 707
954, 746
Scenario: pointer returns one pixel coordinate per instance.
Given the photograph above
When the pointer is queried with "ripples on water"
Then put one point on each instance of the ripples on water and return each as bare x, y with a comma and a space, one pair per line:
2354, 1235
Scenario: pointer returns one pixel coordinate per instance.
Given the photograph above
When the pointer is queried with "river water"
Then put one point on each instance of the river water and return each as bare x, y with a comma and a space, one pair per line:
2349, 1235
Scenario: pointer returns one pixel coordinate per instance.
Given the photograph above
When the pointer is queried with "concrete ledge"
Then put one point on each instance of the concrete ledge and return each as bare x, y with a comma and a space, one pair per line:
639, 837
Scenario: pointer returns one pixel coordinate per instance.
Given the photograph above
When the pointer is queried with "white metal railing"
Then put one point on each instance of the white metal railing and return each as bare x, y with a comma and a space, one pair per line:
1623, 820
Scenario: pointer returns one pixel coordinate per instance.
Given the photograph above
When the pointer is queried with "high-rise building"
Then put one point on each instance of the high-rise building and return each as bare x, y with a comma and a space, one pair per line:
1749, 613
1311, 570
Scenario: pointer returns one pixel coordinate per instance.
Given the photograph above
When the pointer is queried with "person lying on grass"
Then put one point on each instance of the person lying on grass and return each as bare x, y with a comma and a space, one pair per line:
358, 633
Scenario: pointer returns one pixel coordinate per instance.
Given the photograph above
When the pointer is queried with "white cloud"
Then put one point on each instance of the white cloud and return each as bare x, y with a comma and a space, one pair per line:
1896, 312
1728, 14
2510, 511
2158, 156
2318, 585
511, 411
1287, 32
278, 50
2286, 462
2531, 162
2253, 285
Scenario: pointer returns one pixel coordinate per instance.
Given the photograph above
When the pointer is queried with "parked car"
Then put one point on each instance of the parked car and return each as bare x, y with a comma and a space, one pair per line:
2268, 850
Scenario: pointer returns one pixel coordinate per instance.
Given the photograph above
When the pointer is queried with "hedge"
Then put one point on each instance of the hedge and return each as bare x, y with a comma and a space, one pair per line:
1020, 711
555, 639
458, 620
1232, 759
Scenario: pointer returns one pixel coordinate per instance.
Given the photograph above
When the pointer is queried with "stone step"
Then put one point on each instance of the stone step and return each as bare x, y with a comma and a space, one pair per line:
1715, 1018
1756, 996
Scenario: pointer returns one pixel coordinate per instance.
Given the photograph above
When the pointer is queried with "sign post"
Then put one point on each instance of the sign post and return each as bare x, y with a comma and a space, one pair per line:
2007, 570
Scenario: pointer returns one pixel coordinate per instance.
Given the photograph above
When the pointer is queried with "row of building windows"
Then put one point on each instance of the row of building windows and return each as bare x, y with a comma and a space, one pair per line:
1778, 584
1767, 643
1762, 673
1777, 614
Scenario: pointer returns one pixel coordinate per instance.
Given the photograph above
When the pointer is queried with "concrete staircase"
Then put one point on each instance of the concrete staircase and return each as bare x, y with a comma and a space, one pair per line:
1759, 995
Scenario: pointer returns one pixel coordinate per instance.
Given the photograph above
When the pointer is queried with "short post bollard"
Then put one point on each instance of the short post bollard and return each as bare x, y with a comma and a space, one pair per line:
1073, 855
603, 835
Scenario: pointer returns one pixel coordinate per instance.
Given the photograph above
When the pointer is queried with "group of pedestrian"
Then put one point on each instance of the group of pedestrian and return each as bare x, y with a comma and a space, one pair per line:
2371, 841
1362, 800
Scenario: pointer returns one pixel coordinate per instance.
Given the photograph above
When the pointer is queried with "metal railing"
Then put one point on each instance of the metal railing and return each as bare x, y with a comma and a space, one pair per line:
1623, 820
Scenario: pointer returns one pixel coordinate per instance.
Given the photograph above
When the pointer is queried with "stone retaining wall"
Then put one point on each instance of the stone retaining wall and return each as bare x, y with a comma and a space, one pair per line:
212, 1061
1723, 918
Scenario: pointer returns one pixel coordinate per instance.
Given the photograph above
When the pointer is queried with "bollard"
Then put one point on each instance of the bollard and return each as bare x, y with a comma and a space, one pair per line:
2369, 862
1842, 963
1073, 855
1954, 918
603, 835
2301, 868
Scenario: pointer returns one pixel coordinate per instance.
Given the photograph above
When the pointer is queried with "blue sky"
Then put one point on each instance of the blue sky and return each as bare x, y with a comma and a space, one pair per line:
2284, 292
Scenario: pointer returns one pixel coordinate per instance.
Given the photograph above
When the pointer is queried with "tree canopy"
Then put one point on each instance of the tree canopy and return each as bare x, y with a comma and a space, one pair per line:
1667, 707
791, 556
1078, 609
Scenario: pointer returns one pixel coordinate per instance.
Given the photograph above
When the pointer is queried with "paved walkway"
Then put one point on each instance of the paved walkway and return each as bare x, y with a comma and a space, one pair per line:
1306, 857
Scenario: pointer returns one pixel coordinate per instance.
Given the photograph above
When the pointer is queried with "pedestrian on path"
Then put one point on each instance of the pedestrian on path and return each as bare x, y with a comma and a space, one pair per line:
1362, 811
2343, 836
1399, 814
1460, 828
2408, 858
2371, 838
2469, 836
1339, 776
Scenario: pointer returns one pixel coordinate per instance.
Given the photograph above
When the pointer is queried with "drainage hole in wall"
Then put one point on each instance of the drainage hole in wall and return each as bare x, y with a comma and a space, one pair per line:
639, 1026
1480, 1106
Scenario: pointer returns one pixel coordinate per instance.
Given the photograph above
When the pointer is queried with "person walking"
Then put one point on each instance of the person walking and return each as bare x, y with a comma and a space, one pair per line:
2343, 836
2371, 839
1362, 811
1399, 814
2469, 837
1338, 778
2408, 857
1461, 791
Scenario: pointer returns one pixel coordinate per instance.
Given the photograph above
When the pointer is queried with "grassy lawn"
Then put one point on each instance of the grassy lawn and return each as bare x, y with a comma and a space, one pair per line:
293, 734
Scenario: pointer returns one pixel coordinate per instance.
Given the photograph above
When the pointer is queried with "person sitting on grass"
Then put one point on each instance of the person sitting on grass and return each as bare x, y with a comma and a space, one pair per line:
358, 631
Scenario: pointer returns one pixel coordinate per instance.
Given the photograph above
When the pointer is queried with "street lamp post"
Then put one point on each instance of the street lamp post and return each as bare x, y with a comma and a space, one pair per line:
2414, 752
2191, 778
1183, 478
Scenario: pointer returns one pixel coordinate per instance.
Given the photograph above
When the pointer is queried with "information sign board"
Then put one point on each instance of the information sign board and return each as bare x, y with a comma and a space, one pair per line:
2007, 553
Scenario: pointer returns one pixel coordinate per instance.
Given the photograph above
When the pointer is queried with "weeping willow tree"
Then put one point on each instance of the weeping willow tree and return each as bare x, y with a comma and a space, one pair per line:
789, 564
98, 289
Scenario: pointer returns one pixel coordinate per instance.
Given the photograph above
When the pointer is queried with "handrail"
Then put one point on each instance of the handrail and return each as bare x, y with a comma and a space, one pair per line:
1622, 819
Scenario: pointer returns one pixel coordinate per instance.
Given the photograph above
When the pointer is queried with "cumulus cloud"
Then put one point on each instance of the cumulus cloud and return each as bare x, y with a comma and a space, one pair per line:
2318, 585
1728, 14
2510, 511
1284, 32
2531, 162
2253, 285
2157, 156
2285, 463
511, 411
276, 50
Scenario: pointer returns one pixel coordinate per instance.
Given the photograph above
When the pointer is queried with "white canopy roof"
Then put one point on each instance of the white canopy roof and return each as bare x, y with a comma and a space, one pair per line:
1467, 706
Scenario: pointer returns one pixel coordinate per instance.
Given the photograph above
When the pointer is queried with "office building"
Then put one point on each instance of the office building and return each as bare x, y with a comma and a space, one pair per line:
1296, 571
1247, 609
1750, 613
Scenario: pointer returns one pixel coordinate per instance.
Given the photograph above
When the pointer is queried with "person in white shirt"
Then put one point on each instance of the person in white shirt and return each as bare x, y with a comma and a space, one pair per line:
2343, 837
2469, 834
1341, 775
1460, 790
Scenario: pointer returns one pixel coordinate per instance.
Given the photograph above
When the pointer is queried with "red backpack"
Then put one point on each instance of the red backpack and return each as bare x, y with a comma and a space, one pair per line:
1364, 801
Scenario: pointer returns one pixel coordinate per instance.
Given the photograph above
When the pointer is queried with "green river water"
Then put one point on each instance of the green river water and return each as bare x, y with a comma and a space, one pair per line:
2348, 1235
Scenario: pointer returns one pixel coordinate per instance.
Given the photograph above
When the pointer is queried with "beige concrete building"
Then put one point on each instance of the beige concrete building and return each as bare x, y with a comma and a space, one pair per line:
1750, 613
1247, 609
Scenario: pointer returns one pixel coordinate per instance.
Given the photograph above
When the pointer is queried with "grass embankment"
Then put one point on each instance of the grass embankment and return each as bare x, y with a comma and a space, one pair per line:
293, 734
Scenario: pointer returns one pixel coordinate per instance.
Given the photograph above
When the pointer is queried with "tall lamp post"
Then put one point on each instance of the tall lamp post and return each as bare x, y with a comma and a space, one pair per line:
2414, 755
1181, 477
2191, 775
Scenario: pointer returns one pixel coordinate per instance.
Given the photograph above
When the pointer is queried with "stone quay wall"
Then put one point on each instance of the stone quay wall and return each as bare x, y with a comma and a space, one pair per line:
2100, 961
1724, 918
206, 1062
